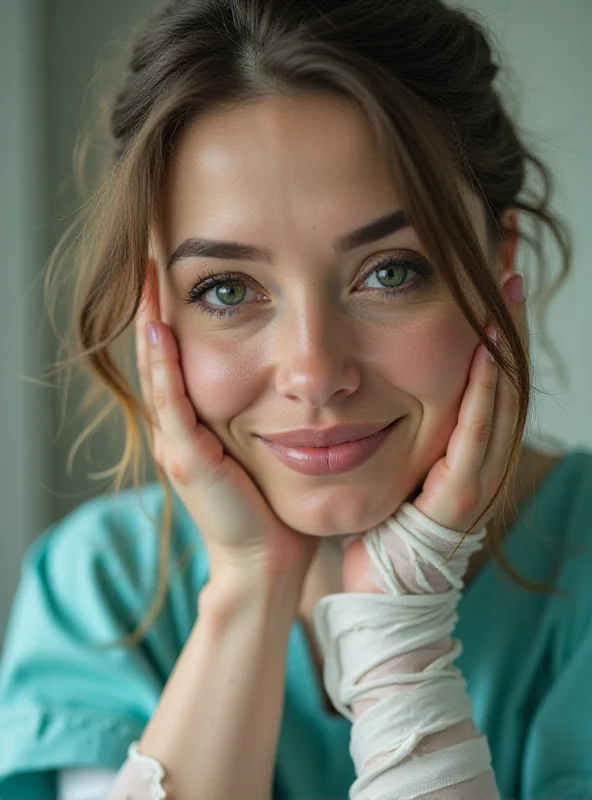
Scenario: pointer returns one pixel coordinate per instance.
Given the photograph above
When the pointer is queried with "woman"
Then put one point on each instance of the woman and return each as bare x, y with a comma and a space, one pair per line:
312, 222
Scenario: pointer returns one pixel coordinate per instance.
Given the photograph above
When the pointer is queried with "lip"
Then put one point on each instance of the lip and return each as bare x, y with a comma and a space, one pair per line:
325, 437
334, 459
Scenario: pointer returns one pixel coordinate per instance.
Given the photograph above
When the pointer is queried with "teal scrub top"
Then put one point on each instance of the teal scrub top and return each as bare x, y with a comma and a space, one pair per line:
527, 656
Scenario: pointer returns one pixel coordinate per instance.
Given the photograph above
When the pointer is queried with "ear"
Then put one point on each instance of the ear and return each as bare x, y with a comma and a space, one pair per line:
509, 222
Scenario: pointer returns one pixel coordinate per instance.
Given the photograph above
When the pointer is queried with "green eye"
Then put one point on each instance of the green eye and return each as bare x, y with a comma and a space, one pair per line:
398, 275
395, 276
391, 277
231, 294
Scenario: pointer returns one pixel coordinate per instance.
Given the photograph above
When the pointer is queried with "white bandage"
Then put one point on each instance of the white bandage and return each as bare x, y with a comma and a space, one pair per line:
140, 778
388, 667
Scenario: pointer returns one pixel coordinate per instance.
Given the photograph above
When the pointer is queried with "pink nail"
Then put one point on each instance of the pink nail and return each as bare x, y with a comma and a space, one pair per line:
492, 334
152, 333
515, 288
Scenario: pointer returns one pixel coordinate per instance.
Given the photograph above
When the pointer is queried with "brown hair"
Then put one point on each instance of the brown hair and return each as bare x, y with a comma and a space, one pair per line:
422, 73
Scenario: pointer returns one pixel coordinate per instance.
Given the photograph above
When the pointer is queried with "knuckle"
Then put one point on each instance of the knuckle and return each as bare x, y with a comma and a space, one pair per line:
153, 420
466, 502
179, 467
142, 370
146, 397
480, 430
159, 398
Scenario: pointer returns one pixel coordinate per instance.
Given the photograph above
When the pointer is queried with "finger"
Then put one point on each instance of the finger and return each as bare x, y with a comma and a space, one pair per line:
488, 413
147, 312
517, 307
506, 401
470, 439
153, 427
175, 415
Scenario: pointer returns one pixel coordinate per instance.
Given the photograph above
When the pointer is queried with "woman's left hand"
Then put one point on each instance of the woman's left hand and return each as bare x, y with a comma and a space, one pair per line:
461, 483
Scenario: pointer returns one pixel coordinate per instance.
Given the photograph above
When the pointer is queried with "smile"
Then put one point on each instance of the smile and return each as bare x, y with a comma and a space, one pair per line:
333, 460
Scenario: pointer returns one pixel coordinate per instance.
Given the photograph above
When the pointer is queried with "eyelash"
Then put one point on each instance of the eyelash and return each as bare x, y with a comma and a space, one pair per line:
211, 280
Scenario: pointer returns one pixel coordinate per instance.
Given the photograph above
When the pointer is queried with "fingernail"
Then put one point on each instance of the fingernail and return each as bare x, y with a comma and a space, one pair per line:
492, 334
515, 288
152, 333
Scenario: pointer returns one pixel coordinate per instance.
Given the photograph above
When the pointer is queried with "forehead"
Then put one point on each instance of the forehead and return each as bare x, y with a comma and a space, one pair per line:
292, 164
295, 134
274, 156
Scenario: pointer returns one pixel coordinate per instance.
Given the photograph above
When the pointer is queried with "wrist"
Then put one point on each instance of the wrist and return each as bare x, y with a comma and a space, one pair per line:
233, 590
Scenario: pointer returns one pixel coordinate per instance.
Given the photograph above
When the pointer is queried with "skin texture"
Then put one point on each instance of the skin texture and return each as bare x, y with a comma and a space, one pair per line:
317, 340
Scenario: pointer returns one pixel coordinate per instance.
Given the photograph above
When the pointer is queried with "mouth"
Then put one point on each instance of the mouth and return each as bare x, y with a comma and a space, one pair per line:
333, 459
326, 437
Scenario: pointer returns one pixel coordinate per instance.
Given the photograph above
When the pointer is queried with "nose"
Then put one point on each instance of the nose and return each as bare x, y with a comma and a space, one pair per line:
315, 359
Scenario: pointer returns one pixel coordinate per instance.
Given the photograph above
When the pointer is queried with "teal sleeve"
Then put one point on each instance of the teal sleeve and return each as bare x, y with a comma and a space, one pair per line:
64, 702
557, 761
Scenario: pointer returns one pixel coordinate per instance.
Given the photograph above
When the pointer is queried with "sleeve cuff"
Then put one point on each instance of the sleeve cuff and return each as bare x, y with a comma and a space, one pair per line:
37, 738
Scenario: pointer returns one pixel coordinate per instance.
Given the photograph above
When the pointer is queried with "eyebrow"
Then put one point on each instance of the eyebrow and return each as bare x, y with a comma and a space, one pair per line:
197, 247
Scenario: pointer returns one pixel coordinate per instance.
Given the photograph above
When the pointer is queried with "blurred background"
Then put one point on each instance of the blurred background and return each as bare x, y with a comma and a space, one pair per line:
51, 51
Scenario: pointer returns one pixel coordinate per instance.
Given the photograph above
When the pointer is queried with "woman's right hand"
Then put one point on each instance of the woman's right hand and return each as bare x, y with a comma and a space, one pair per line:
242, 533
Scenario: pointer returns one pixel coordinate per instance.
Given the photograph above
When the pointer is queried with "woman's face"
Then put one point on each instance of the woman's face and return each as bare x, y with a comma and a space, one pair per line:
313, 330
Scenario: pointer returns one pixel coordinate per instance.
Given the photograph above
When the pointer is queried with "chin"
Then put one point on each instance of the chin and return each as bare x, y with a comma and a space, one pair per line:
325, 514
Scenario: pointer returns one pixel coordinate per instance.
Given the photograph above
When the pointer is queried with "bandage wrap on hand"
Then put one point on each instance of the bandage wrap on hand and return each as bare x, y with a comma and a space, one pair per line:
388, 667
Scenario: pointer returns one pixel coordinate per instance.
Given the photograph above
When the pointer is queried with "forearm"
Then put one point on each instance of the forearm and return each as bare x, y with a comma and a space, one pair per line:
215, 730
482, 785
393, 649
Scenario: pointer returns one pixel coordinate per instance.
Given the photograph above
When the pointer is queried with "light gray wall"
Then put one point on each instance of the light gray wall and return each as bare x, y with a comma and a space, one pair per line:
25, 413
84, 40
50, 51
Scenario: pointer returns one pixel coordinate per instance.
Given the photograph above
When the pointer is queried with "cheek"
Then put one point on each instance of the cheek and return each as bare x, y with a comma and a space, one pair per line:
219, 380
217, 376
430, 361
